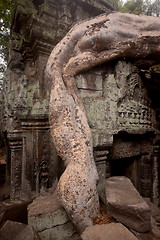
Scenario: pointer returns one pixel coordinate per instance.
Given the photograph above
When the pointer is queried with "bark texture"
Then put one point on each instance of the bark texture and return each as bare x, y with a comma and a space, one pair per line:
88, 44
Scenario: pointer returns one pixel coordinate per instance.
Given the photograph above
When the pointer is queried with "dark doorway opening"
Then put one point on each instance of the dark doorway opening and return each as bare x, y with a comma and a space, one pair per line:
128, 167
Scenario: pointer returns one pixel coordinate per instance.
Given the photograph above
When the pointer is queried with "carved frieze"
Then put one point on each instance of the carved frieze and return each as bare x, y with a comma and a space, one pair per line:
134, 107
118, 101
123, 120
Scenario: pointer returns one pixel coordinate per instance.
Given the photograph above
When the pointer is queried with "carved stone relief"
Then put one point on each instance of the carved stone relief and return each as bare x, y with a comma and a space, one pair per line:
117, 101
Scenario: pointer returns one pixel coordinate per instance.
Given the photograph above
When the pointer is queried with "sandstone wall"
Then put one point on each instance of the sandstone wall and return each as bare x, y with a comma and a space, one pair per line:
38, 25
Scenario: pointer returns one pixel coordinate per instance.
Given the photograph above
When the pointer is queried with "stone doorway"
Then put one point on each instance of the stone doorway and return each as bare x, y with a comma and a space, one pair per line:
132, 155
2, 160
4, 168
128, 167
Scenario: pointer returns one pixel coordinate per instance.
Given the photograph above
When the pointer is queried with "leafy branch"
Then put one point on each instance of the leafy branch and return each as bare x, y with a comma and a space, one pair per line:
6, 14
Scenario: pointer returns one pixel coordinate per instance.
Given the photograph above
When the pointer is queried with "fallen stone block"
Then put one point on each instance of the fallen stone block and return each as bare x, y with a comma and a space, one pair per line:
143, 236
17, 231
155, 230
155, 211
112, 231
154, 234
126, 205
49, 219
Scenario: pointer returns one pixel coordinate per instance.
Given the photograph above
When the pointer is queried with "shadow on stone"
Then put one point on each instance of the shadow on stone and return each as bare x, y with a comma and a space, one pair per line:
17, 231
14, 211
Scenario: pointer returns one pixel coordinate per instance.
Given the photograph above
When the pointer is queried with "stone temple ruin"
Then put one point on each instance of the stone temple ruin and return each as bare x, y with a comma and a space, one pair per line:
32, 162
102, 81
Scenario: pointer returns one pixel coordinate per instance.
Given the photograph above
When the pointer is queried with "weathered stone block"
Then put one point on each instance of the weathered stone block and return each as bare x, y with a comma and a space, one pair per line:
89, 81
60, 232
112, 231
155, 211
126, 205
17, 231
51, 220
155, 229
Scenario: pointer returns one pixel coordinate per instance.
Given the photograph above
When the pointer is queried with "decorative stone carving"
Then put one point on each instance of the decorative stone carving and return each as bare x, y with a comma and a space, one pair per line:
109, 96
145, 175
44, 175
155, 172
39, 159
16, 163
132, 105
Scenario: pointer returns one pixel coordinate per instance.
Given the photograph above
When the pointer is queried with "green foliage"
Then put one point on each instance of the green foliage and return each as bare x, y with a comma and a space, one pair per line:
2, 70
147, 7
6, 13
154, 8
133, 6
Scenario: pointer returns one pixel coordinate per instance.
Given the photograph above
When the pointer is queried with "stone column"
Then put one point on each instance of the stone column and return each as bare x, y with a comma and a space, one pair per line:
155, 175
15, 142
100, 157
145, 175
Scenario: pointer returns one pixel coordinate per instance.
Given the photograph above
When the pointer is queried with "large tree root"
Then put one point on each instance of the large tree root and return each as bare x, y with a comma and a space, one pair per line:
89, 43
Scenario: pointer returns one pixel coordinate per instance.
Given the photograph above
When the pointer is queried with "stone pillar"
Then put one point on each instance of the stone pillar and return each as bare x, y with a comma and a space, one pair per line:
15, 142
155, 175
145, 176
100, 157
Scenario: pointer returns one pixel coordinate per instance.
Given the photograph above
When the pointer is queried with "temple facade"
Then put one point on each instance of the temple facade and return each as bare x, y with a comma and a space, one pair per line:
32, 164
123, 115
121, 99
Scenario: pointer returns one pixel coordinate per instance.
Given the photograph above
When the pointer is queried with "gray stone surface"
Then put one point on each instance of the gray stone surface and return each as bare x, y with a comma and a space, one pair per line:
49, 219
155, 210
17, 231
112, 231
154, 234
154, 228
143, 236
26, 91
126, 205
27, 234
